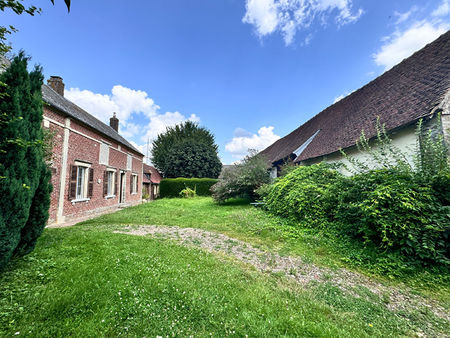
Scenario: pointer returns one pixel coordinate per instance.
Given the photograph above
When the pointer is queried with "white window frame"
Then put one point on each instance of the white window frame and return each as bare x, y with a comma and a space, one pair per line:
81, 189
134, 184
111, 183
104, 153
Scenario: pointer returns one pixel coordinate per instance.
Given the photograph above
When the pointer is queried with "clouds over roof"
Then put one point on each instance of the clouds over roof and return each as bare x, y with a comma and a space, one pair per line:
243, 141
413, 30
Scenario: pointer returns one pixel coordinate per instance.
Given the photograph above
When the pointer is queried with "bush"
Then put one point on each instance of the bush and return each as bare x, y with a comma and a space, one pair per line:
242, 179
303, 194
188, 192
171, 187
393, 211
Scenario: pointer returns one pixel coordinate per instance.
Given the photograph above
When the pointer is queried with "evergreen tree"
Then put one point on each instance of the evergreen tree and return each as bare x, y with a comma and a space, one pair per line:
183, 145
192, 159
24, 176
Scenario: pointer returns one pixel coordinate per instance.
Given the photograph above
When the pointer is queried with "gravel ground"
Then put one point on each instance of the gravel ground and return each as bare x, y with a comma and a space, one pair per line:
306, 274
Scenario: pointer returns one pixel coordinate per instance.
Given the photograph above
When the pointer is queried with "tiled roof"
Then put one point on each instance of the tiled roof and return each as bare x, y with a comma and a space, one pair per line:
401, 96
52, 98
155, 176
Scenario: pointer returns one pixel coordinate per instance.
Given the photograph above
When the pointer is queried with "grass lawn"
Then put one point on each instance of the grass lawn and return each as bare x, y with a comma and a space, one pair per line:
88, 281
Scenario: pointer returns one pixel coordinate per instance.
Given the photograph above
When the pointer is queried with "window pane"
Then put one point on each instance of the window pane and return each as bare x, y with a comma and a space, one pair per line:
80, 182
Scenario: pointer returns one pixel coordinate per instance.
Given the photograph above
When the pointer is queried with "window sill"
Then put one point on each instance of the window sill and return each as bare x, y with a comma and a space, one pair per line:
134, 193
109, 197
80, 200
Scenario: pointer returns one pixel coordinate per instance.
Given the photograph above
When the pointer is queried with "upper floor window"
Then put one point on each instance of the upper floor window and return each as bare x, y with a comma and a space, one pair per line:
104, 153
129, 162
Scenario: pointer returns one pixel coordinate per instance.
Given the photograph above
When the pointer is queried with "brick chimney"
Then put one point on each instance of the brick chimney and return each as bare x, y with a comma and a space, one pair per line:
114, 122
57, 84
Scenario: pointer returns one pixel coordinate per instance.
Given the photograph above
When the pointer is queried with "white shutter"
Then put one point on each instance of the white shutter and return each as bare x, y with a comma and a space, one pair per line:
104, 153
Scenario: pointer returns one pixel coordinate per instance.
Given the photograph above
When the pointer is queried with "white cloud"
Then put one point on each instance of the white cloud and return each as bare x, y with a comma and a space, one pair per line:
243, 141
129, 104
290, 16
402, 17
443, 9
403, 44
124, 101
159, 123
412, 34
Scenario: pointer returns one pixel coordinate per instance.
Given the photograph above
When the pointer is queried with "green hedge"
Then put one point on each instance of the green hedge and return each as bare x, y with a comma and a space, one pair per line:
171, 187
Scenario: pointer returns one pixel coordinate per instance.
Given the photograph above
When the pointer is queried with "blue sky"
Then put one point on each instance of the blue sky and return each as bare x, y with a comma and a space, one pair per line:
249, 70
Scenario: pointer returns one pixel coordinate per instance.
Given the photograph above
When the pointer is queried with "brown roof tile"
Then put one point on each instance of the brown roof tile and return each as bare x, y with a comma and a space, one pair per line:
400, 96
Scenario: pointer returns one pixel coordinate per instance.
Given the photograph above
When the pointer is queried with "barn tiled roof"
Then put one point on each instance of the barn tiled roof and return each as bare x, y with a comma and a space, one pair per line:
401, 96
155, 176
71, 109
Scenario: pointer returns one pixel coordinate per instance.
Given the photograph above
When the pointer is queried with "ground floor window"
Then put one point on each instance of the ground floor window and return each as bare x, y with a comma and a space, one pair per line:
109, 183
134, 184
81, 181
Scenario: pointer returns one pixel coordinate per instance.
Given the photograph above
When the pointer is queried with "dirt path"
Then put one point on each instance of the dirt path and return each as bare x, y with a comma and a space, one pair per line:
306, 274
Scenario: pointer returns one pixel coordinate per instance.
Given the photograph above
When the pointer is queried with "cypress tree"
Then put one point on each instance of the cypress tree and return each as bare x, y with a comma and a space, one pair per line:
24, 177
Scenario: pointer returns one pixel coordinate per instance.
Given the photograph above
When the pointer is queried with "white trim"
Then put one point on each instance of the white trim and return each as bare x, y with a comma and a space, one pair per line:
80, 163
109, 197
63, 173
87, 199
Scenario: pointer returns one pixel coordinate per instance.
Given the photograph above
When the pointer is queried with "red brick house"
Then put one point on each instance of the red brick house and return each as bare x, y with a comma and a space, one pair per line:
150, 182
94, 169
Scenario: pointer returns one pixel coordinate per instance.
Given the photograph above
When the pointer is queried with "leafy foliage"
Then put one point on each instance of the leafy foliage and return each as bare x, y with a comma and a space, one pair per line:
242, 179
24, 176
400, 207
192, 159
302, 194
171, 187
188, 192
186, 150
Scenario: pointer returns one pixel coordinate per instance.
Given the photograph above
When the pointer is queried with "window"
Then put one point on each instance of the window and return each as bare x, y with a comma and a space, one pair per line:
81, 182
104, 153
109, 183
81, 186
134, 184
129, 162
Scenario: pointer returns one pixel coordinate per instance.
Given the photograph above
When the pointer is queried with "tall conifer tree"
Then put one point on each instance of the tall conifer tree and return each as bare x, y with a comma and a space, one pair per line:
24, 176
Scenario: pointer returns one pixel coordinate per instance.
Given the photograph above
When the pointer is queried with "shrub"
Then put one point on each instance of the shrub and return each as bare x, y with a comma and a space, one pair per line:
302, 194
242, 179
188, 192
391, 210
171, 187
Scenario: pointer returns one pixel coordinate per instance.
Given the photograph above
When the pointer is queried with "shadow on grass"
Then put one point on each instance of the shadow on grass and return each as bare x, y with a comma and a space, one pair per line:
236, 201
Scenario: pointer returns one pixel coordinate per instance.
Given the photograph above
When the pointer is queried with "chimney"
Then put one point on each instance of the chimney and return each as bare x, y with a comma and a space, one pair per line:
57, 84
114, 122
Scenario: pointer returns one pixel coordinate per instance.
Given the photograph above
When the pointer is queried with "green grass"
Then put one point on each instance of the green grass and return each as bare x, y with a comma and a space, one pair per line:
240, 220
87, 281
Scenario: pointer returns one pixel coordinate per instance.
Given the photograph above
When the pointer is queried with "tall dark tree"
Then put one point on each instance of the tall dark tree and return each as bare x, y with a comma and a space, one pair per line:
181, 150
24, 176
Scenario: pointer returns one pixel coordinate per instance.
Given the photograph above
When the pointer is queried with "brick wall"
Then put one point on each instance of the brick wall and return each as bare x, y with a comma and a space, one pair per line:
84, 146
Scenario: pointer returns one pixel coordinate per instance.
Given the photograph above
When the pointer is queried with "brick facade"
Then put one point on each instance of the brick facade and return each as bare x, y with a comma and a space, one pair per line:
81, 143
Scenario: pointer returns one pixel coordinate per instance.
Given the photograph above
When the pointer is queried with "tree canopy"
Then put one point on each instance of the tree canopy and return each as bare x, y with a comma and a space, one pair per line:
186, 150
